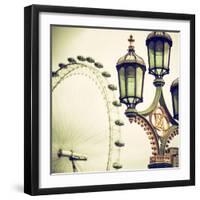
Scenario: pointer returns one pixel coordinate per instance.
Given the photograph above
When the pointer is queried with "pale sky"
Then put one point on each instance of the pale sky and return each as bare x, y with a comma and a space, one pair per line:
79, 112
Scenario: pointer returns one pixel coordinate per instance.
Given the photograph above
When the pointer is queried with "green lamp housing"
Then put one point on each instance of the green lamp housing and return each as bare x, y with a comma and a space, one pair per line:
174, 93
131, 70
158, 46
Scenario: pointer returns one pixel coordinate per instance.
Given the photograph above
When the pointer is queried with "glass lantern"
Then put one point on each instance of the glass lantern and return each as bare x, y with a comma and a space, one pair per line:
159, 46
174, 93
131, 70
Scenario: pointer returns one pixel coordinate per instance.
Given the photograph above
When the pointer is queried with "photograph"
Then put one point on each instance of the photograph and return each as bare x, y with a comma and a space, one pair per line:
114, 99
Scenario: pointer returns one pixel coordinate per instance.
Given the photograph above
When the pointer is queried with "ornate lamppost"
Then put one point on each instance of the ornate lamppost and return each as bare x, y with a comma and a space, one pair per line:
156, 120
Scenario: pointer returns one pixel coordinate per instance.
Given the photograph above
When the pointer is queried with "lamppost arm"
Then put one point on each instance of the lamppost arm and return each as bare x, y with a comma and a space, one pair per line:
172, 131
154, 104
163, 104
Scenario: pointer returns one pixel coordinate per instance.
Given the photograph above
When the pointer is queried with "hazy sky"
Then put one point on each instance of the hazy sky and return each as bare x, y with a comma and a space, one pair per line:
79, 112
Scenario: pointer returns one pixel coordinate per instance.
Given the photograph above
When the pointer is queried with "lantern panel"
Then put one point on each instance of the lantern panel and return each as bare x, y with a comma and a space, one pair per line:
159, 56
130, 75
166, 55
151, 55
139, 81
122, 82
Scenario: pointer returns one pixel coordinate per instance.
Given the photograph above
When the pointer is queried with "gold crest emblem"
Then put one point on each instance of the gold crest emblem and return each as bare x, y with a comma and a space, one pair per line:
160, 121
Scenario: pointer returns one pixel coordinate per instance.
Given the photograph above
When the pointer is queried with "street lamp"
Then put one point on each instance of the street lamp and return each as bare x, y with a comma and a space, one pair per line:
158, 123
158, 47
131, 69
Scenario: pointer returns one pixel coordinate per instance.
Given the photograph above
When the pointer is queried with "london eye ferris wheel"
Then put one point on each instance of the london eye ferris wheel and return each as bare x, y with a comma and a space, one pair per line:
92, 143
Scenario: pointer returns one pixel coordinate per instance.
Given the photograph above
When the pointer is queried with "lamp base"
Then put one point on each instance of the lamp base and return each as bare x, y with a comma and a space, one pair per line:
159, 165
160, 161
131, 113
159, 82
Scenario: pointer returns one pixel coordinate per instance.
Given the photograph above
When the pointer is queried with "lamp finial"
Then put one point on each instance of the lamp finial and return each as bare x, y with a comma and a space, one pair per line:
131, 40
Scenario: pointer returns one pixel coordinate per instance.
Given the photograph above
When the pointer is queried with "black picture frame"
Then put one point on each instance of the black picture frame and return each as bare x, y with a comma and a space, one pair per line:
31, 98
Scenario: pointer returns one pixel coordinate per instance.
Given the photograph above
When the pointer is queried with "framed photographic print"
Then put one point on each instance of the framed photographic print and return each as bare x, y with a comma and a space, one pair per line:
109, 100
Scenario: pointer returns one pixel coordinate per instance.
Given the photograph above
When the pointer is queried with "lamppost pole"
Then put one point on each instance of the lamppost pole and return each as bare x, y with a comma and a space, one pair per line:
159, 125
